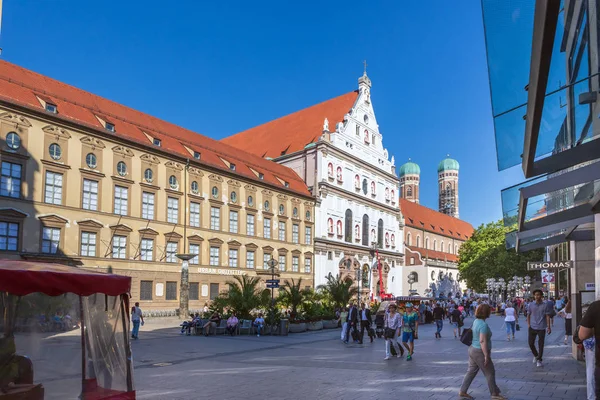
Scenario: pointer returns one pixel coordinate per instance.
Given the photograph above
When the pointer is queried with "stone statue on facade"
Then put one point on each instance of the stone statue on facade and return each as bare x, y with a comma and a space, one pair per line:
326, 125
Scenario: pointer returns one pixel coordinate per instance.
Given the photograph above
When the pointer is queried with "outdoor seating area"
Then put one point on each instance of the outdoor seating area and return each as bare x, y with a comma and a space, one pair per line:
244, 326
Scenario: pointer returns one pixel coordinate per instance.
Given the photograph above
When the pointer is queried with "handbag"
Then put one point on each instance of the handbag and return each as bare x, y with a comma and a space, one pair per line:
466, 337
518, 327
389, 333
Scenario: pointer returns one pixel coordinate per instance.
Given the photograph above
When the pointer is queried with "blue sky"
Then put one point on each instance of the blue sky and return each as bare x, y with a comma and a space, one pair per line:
222, 67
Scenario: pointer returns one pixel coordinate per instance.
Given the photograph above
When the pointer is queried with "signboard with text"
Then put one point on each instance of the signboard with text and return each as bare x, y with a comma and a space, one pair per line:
540, 265
221, 271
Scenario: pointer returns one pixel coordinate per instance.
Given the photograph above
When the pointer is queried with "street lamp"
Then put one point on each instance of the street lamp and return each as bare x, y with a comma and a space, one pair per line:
527, 285
184, 285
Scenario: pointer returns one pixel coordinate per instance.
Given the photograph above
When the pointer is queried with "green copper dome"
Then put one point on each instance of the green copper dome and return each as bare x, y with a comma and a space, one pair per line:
448, 164
410, 168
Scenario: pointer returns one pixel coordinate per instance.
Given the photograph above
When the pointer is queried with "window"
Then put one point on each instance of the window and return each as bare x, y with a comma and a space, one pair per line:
418, 241
365, 186
372, 188
250, 225
232, 166
427, 243
91, 161
393, 195
147, 250
13, 141
148, 175
172, 210
88, 244
266, 259
412, 261
357, 130
214, 192
195, 187
233, 221
9, 236
194, 214
408, 239
366, 119
121, 168
261, 176
51, 108
250, 259
55, 151
282, 231
53, 193
307, 265
196, 155
233, 258
156, 142
50, 240
267, 228
434, 244
146, 290
295, 262
215, 218
194, 292
171, 292
250, 201
195, 249
357, 232
173, 184
295, 233
409, 191
233, 197
214, 256
365, 230
90, 195
214, 291
348, 226
11, 180
380, 233
356, 182
295, 212
121, 200
339, 228
387, 194
387, 239
329, 255
147, 205
339, 174
119, 246
109, 126
308, 235
330, 226
450, 248
281, 263
286, 184
171, 252
330, 170
281, 209
267, 205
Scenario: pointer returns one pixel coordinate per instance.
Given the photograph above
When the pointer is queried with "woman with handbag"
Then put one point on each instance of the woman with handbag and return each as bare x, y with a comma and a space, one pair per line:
511, 320
391, 331
480, 355
566, 313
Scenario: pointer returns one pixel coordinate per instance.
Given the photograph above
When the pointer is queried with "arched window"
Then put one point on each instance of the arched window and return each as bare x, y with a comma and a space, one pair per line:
330, 170
393, 196
415, 276
448, 186
339, 228
365, 230
387, 239
455, 249
393, 241
450, 248
330, 226
409, 191
348, 226
434, 244
408, 239
339, 174
380, 233
442, 246
427, 243
418, 241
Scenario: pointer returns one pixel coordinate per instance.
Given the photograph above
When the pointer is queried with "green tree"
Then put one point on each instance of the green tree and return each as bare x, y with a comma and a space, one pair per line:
292, 295
242, 296
484, 255
337, 292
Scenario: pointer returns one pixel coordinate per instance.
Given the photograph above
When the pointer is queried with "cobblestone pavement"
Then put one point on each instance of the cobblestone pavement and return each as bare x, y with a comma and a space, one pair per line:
316, 365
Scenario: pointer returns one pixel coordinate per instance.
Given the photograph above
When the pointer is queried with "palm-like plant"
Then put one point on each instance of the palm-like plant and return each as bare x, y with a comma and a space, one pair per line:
243, 295
292, 295
338, 292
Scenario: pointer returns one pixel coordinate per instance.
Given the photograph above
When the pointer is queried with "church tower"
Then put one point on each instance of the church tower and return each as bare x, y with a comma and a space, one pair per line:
410, 174
448, 186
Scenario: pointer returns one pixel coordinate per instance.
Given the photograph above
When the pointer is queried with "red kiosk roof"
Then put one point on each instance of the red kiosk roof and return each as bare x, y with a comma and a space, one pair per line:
23, 277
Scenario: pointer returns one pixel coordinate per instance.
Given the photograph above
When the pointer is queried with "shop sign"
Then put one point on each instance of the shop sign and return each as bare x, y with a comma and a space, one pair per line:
590, 286
534, 266
221, 271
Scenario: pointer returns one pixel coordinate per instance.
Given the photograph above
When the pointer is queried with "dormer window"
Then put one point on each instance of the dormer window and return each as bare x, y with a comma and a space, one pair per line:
156, 142
286, 184
232, 166
196, 155
51, 108
261, 176
110, 127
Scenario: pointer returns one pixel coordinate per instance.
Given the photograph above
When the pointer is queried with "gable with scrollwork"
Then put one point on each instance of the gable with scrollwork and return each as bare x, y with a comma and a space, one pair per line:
149, 158
215, 178
15, 119
124, 151
56, 131
174, 165
93, 142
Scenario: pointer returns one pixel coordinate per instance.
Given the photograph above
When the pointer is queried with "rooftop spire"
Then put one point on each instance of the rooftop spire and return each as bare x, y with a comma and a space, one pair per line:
365, 64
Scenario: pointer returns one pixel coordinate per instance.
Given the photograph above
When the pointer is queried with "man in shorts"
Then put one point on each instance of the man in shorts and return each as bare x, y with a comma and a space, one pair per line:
410, 329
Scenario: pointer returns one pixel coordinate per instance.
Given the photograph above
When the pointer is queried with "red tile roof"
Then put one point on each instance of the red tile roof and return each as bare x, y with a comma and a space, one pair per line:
421, 217
293, 132
20, 86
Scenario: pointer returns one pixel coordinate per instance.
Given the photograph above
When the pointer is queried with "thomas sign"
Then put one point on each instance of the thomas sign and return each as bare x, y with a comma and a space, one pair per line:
534, 266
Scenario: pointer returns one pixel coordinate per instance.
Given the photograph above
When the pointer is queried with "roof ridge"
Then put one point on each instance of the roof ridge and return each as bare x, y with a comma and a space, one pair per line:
277, 170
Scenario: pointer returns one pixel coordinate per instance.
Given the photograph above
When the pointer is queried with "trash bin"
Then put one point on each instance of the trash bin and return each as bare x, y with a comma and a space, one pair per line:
284, 327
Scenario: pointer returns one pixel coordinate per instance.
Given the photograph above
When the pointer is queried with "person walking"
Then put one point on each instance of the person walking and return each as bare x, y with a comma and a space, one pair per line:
438, 316
343, 322
538, 321
456, 320
391, 332
365, 322
590, 327
565, 312
410, 329
137, 318
480, 355
511, 320
352, 320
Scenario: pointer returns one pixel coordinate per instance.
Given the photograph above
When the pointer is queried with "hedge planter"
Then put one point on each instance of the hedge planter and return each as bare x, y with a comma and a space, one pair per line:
315, 326
330, 324
297, 327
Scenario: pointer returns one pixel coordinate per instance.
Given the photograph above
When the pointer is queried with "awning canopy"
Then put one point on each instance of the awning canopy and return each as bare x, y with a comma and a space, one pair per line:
23, 277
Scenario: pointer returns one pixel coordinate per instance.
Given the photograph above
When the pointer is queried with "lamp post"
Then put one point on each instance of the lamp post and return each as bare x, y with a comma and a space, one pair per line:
527, 281
184, 285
